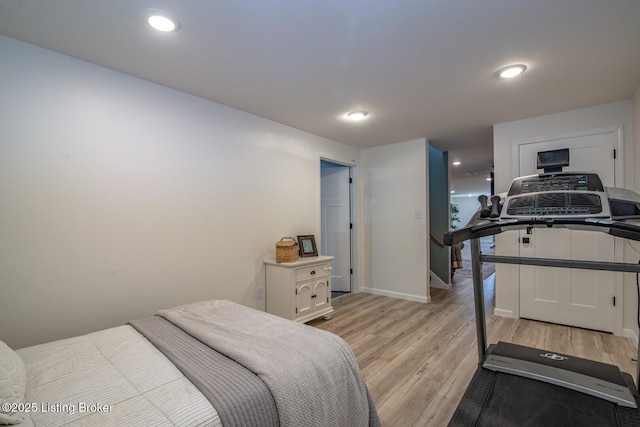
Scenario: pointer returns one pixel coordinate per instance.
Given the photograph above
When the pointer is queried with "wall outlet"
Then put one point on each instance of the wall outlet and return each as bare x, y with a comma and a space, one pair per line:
260, 293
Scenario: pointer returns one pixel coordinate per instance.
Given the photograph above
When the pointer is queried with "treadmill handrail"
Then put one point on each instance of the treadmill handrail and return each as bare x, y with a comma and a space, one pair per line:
481, 228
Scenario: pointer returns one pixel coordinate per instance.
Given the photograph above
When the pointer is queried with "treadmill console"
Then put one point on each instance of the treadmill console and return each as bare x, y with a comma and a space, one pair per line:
561, 194
556, 182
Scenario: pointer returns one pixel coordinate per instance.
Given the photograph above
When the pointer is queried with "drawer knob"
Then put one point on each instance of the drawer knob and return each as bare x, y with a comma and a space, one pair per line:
313, 272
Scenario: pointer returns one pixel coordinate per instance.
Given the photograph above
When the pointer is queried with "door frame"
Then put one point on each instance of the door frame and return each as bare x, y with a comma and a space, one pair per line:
353, 215
618, 287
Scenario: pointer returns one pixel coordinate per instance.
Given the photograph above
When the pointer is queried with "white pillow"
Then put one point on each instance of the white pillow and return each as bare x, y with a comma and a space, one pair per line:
13, 381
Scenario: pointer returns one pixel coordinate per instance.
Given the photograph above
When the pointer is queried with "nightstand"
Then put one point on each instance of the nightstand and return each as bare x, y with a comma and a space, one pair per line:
299, 290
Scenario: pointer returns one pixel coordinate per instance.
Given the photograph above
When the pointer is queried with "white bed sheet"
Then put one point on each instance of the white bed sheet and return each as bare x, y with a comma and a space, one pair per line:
118, 369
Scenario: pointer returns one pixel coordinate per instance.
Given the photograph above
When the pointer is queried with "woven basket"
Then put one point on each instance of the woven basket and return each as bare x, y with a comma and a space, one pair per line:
287, 250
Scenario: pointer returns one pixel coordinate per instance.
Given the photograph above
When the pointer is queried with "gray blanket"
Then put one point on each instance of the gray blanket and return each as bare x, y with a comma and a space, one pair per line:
313, 375
239, 396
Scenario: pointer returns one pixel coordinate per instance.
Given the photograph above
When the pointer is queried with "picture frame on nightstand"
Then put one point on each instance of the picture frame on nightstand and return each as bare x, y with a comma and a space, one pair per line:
307, 245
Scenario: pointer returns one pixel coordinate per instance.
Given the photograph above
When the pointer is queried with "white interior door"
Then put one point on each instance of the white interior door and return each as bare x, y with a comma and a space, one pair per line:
336, 224
582, 298
587, 153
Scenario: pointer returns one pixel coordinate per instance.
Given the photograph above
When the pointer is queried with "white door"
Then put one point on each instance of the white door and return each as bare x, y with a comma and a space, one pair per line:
588, 153
336, 223
582, 298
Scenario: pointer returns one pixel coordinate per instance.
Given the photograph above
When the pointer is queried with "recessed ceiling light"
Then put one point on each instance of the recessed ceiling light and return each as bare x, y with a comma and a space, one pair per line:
356, 116
456, 163
489, 179
453, 191
162, 21
512, 71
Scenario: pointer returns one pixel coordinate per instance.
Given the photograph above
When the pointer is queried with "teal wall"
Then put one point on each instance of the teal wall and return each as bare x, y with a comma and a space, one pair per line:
439, 212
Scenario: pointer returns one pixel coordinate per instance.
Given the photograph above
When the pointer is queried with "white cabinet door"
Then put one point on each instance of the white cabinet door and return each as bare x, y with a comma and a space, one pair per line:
582, 298
304, 301
321, 294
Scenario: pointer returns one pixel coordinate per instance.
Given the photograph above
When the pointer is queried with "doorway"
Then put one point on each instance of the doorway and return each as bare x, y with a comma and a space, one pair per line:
336, 223
572, 297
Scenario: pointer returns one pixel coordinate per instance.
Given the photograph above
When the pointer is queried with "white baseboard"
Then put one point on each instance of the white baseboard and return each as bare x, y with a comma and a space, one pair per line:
417, 298
630, 333
504, 313
437, 282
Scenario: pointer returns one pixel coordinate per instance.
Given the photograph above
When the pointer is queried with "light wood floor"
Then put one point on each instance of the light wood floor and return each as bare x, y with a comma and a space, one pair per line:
417, 359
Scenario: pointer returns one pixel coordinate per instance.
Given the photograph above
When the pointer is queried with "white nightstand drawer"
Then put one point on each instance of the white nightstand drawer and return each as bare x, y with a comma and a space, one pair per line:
311, 272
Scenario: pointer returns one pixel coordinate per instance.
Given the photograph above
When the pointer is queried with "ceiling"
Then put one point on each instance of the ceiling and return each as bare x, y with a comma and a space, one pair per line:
422, 69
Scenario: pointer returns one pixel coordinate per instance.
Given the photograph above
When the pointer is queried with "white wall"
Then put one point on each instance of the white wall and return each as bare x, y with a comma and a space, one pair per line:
600, 116
394, 245
119, 197
467, 206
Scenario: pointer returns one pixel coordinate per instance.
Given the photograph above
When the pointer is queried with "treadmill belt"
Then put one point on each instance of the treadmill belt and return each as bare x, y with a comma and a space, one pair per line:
498, 399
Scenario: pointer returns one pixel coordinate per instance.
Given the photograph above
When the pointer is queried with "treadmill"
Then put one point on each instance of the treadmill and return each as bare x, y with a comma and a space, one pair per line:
516, 385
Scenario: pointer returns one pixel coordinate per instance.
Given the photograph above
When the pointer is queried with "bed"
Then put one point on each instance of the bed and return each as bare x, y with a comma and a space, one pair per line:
210, 363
